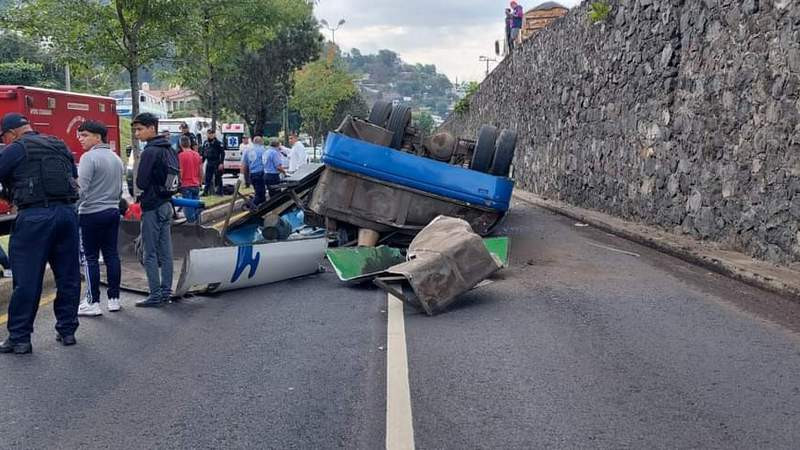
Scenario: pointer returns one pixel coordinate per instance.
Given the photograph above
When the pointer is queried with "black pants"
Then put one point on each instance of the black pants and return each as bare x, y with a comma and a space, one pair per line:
213, 178
42, 236
272, 180
99, 232
257, 180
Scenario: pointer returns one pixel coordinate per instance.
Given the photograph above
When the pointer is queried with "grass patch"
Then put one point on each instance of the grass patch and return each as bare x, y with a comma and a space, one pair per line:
599, 12
124, 138
215, 200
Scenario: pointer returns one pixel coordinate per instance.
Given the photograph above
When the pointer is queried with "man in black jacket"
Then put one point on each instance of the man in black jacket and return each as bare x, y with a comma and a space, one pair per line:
156, 209
214, 155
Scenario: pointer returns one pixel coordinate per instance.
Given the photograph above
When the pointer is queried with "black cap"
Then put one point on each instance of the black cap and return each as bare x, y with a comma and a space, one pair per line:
12, 121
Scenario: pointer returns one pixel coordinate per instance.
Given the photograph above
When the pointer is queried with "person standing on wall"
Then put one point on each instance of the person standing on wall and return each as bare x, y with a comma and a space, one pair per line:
191, 173
273, 167
509, 21
214, 155
100, 176
253, 168
156, 168
517, 15
42, 173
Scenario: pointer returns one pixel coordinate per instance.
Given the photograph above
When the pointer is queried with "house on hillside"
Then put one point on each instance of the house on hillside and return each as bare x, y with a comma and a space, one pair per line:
542, 16
179, 99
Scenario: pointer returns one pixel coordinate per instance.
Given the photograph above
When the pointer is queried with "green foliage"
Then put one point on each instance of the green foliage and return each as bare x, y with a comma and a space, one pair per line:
260, 93
21, 73
599, 11
320, 90
214, 33
462, 106
424, 121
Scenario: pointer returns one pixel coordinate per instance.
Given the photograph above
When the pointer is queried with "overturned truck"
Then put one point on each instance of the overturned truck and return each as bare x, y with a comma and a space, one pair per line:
384, 180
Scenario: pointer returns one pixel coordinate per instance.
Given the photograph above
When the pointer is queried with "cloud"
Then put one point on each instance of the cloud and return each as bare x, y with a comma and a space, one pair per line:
451, 34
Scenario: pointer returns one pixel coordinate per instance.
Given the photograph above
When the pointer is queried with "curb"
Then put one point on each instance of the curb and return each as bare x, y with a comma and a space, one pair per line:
780, 280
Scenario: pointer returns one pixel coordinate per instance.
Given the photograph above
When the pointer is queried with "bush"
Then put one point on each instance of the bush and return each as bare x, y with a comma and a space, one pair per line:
21, 73
462, 106
599, 12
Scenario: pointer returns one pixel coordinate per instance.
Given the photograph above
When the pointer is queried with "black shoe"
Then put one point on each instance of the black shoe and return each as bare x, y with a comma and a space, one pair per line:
150, 302
66, 340
19, 348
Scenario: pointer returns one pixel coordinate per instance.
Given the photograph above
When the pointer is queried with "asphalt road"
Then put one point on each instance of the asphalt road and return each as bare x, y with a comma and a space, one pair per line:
587, 341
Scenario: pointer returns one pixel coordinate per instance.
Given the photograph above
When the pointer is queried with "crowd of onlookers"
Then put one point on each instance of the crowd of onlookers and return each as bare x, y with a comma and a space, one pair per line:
68, 213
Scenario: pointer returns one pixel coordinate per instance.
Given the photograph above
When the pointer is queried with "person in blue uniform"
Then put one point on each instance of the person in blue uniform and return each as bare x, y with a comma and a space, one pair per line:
41, 172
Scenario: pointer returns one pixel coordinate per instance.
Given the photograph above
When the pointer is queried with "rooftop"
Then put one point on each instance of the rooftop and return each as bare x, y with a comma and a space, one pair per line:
548, 5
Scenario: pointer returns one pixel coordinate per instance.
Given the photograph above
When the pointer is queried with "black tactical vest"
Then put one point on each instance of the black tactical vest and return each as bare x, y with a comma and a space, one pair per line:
46, 174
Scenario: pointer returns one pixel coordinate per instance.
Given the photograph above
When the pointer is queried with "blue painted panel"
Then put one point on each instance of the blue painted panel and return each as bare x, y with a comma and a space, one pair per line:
416, 172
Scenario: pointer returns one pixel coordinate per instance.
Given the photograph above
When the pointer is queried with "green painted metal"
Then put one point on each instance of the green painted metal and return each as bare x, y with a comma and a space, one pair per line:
360, 263
498, 246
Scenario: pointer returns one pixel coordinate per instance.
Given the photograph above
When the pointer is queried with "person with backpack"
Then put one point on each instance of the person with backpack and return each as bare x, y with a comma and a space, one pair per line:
158, 178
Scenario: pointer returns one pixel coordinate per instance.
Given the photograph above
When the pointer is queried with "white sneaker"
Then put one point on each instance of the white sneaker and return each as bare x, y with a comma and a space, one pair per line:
113, 305
89, 309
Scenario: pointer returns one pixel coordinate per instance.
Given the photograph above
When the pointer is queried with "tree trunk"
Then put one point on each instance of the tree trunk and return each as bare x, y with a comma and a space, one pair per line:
133, 72
212, 87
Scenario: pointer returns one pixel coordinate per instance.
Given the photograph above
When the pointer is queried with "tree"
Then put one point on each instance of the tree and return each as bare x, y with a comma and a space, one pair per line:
320, 87
260, 92
215, 33
424, 122
130, 34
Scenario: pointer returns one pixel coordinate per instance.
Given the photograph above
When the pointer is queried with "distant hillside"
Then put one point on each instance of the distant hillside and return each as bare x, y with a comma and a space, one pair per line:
384, 76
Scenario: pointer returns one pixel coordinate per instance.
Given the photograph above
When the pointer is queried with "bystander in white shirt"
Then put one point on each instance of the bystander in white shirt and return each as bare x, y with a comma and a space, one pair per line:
297, 156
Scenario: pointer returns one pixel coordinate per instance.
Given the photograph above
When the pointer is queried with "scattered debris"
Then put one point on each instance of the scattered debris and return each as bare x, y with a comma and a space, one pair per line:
444, 260
581, 225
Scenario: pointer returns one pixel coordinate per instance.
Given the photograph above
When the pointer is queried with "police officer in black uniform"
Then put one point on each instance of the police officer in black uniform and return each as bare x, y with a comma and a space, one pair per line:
42, 174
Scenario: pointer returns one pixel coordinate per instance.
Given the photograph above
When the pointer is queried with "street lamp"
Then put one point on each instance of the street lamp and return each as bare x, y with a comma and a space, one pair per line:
332, 29
488, 60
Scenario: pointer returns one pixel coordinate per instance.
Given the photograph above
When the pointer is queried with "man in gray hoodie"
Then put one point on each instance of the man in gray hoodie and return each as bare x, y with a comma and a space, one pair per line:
100, 175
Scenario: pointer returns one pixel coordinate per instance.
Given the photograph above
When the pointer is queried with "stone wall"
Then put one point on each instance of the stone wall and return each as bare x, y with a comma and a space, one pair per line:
679, 113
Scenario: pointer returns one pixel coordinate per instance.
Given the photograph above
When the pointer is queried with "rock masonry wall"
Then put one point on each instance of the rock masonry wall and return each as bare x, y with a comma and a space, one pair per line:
679, 113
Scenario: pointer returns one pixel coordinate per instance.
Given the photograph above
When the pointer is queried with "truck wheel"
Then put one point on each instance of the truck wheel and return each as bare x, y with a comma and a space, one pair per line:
504, 153
398, 122
484, 149
380, 113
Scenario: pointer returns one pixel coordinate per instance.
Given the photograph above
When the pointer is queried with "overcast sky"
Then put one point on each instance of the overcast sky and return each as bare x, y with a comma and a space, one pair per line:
449, 33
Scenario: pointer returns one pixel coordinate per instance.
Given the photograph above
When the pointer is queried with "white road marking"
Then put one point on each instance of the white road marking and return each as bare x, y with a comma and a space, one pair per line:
399, 423
612, 249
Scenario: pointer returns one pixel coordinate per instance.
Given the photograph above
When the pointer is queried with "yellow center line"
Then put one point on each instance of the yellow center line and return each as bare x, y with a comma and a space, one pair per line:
45, 300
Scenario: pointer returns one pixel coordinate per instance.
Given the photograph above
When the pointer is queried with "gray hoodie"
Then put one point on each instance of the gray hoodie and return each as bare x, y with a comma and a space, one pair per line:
100, 175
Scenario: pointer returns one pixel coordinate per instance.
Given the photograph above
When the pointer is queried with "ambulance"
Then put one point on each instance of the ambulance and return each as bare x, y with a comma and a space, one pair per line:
60, 113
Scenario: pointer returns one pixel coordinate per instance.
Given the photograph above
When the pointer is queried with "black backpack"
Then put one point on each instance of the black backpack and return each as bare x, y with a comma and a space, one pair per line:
172, 167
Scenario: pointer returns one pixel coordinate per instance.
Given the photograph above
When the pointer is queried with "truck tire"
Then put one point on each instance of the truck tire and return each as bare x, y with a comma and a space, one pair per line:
504, 153
380, 113
398, 122
484, 149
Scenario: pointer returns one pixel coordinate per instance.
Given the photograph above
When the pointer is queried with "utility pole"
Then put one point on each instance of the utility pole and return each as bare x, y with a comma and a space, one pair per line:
332, 29
488, 60
67, 81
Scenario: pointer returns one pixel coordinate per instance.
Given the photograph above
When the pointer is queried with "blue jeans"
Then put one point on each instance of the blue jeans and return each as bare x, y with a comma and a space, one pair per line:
99, 232
257, 179
192, 193
157, 246
41, 236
